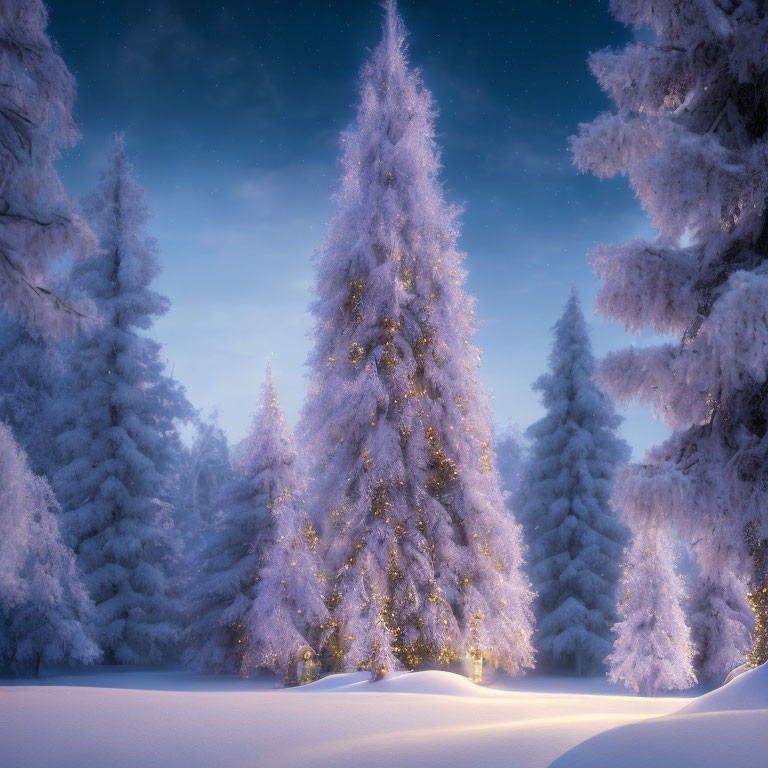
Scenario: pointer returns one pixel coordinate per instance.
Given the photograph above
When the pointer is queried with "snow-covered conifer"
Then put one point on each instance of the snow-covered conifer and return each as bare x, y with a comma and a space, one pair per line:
653, 651
44, 609
261, 529
118, 441
425, 557
689, 132
37, 223
288, 611
575, 538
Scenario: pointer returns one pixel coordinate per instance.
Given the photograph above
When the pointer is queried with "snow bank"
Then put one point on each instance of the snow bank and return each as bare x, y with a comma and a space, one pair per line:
433, 682
747, 691
426, 719
726, 727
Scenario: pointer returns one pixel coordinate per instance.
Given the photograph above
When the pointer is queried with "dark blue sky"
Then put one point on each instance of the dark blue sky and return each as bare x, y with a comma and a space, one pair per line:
232, 113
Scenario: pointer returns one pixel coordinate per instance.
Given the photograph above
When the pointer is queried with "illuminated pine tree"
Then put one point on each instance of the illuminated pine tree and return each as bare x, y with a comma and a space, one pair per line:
258, 597
288, 611
426, 559
653, 650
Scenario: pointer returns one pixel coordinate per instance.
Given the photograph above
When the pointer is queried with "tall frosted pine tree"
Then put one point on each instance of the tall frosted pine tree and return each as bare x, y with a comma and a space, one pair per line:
689, 132
116, 443
425, 558
575, 537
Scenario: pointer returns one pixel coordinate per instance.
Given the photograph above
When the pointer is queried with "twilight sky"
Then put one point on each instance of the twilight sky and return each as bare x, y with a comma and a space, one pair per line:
232, 112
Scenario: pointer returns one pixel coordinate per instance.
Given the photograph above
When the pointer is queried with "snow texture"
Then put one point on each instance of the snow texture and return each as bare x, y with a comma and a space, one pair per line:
430, 719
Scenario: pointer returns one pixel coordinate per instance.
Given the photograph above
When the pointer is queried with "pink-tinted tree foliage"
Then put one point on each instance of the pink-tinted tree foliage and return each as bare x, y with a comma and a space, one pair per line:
425, 558
689, 131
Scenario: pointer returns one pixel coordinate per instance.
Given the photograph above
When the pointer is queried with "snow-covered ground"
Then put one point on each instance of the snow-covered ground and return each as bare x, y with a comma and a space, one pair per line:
423, 719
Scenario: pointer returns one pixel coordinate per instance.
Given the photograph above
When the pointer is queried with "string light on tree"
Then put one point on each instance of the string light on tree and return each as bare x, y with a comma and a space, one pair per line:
410, 498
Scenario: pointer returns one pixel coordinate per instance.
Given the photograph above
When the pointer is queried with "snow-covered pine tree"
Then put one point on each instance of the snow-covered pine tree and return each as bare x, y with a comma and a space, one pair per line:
44, 609
689, 130
37, 223
288, 611
653, 651
426, 559
118, 442
31, 371
262, 529
575, 538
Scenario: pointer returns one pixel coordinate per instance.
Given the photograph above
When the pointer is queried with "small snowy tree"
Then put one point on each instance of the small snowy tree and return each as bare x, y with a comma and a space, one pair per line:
288, 611
37, 223
118, 441
653, 651
44, 609
574, 536
426, 559
262, 529
689, 132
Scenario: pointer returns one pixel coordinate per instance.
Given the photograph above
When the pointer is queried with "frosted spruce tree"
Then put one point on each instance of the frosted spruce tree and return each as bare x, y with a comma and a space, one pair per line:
653, 650
117, 441
37, 222
689, 131
424, 557
288, 612
575, 537
45, 612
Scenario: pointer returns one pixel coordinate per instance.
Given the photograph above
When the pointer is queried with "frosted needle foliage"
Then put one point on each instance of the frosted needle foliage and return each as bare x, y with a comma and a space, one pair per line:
653, 650
288, 612
574, 535
424, 558
37, 223
117, 437
689, 130
45, 612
